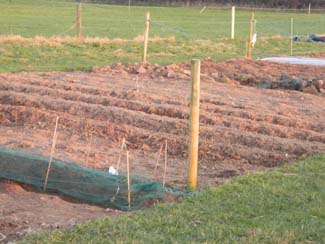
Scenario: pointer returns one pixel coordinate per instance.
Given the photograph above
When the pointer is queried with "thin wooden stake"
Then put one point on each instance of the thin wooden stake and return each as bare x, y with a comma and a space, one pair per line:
194, 124
55, 136
158, 159
89, 149
146, 37
128, 176
233, 22
129, 5
203, 9
79, 21
137, 83
291, 35
309, 8
123, 145
165, 165
120, 156
250, 37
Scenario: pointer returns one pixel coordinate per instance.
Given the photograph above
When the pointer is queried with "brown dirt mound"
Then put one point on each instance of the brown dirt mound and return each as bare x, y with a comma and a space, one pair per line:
238, 71
11, 188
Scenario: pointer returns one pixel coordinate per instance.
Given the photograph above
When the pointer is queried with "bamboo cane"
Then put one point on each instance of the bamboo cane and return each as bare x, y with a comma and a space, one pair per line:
165, 165
158, 159
55, 136
120, 156
89, 149
128, 176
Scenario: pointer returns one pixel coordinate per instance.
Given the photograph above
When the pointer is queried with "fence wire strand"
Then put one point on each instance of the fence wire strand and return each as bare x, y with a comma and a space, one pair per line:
212, 27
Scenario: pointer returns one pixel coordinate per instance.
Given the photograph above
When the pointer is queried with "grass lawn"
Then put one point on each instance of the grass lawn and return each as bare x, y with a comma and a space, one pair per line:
15, 57
197, 35
49, 18
285, 205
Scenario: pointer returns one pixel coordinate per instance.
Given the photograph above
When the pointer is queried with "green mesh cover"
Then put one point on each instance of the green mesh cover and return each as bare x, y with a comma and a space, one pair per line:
88, 185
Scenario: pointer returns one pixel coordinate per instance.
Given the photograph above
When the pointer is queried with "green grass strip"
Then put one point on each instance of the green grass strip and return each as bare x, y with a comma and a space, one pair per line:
285, 205
17, 57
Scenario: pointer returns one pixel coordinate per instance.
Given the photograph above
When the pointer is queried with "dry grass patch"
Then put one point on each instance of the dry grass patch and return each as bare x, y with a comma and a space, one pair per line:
58, 41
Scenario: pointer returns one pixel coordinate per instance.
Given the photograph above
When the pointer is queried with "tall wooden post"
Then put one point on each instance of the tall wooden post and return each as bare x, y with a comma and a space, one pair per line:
233, 22
309, 7
146, 37
79, 21
194, 124
291, 37
250, 37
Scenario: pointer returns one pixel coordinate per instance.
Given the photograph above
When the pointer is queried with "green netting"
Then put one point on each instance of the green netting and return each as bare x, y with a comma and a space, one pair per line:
88, 185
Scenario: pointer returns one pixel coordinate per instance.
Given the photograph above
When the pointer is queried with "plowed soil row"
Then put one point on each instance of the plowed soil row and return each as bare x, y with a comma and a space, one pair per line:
242, 128
147, 119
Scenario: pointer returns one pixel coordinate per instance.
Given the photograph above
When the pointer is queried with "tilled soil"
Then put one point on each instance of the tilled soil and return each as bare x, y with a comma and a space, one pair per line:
235, 71
23, 212
242, 128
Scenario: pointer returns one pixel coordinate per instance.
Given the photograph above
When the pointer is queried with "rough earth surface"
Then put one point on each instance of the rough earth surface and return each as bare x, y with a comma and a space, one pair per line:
238, 71
243, 128
23, 211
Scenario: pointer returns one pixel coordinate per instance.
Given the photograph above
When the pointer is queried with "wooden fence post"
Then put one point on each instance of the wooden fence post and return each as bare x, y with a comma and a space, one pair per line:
194, 124
233, 22
309, 7
250, 37
291, 36
79, 21
146, 37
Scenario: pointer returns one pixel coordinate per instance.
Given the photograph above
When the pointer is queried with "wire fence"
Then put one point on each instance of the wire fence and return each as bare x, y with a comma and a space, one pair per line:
59, 19
119, 22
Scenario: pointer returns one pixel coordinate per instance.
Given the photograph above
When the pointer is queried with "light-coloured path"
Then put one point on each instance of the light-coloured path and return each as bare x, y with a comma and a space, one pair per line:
297, 60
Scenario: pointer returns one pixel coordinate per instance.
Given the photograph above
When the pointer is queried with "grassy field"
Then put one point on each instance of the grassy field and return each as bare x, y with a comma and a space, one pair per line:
48, 18
17, 57
285, 205
197, 35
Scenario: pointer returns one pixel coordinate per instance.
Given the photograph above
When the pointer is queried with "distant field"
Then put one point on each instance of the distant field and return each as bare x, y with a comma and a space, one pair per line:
197, 35
48, 18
